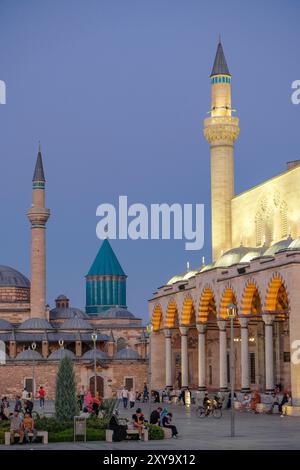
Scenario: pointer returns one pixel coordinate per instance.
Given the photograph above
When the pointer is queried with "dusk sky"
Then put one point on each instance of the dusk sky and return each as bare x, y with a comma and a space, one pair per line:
116, 91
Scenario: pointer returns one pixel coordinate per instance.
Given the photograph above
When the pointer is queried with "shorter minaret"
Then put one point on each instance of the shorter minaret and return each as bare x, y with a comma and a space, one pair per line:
38, 216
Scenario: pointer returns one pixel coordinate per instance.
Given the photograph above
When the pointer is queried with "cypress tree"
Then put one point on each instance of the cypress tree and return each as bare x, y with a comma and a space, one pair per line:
66, 406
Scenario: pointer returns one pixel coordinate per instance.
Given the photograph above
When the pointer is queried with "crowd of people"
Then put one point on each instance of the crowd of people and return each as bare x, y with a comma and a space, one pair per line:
250, 402
21, 419
88, 404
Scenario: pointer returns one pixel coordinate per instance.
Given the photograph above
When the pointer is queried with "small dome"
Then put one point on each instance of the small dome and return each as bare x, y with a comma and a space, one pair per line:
278, 246
58, 354
232, 256
190, 274
66, 313
5, 325
116, 312
62, 297
10, 277
295, 245
76, 324
100, 355
253, 253
177, 278
29, 355
207, 267
127, 353
35, 324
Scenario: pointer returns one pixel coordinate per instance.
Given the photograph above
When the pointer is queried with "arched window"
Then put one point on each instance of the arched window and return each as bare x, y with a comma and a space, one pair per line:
121, 343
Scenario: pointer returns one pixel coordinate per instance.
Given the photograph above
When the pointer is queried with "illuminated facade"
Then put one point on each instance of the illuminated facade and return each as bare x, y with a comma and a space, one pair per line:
256, 266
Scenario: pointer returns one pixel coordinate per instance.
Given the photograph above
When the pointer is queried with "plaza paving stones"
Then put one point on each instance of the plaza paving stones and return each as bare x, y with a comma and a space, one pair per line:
252, 432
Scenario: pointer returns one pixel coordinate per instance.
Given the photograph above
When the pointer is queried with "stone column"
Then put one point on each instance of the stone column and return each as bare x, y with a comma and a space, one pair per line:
244, 355
78, 348
184, 357
269, 360
201, 357
223, 355
45, 349
168, 358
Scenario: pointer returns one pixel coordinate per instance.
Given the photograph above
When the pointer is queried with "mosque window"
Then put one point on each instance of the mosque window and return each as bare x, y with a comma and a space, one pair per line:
121, 344
128, 383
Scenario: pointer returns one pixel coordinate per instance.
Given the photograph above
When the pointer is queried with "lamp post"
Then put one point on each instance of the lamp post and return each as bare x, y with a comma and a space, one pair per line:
94, 338
33, 347
231, 312
149, 329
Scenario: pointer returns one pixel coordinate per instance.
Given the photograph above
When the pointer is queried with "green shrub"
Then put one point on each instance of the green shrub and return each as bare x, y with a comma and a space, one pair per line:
66, 406
155, 432
52, 425
67, 435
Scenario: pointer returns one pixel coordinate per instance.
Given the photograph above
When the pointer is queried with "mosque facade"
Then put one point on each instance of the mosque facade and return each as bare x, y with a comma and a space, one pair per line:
34, 337
255, 267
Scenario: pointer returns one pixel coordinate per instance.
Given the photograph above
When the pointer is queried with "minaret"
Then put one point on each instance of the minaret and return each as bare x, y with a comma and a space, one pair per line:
38, 217
221, 130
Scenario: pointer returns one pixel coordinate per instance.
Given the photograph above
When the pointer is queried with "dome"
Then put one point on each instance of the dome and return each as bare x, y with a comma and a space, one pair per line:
66, 313
5, 325
76, 324
127, 353
278, 246
29, 355
295, 245
116, 312
252, 253
9, 277
100, 355
35, 324
232, 256
58, 354
62, 297
207, 267
190, 274
174, 279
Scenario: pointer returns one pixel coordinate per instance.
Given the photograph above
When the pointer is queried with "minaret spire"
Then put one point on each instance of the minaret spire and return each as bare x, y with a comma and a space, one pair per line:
38, 216
221, 130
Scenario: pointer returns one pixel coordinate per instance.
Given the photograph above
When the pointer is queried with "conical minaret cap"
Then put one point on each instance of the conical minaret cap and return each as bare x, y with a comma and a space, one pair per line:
220, 65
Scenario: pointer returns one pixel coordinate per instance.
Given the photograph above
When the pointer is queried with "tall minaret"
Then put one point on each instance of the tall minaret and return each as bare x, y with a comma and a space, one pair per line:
38, 217
221, 130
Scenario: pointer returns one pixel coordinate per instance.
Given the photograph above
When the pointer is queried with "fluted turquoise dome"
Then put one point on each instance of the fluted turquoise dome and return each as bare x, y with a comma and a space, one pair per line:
105, 282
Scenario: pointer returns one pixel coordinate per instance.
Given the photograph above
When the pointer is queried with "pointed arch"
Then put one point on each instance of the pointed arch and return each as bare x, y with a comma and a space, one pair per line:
188, 311
172, 314
157, 316
277, 299
228, 297
251, 300
207, 305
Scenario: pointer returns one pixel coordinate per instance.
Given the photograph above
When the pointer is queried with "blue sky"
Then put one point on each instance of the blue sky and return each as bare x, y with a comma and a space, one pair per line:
116, 91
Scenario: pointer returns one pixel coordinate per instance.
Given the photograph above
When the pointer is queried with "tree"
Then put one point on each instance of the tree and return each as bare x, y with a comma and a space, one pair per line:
66, 406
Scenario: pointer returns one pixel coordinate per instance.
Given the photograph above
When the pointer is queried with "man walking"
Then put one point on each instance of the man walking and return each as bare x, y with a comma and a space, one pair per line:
124, 395
42, 393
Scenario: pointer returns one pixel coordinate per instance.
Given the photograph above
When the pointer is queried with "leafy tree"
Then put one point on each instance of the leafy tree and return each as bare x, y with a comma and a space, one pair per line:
66, 406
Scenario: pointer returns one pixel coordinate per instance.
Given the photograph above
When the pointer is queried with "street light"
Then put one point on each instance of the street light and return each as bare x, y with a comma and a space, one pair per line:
33, 347
149, 329
61, 343
94, 338
231, 312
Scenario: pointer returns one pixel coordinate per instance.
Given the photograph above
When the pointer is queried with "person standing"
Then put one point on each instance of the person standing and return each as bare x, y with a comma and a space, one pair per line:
18, 404
131, 398
82, 397
145, 393
24, 394
41, 394
124, 395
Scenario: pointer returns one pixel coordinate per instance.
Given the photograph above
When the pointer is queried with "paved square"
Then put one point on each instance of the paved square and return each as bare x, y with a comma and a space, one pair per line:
252, 432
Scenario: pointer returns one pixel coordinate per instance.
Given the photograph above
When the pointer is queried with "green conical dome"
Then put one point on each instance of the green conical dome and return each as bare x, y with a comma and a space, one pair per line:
106, 262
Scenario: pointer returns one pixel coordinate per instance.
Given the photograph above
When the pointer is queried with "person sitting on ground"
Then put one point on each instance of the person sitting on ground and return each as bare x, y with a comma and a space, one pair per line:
156, 396
155, 416
286, 400
167, 423
28, 427
246, 402
138, 421
16, 427
255, 401
275, 401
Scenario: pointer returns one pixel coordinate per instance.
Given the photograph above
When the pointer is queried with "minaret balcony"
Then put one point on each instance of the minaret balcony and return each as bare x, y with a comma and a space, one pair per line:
221, 129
